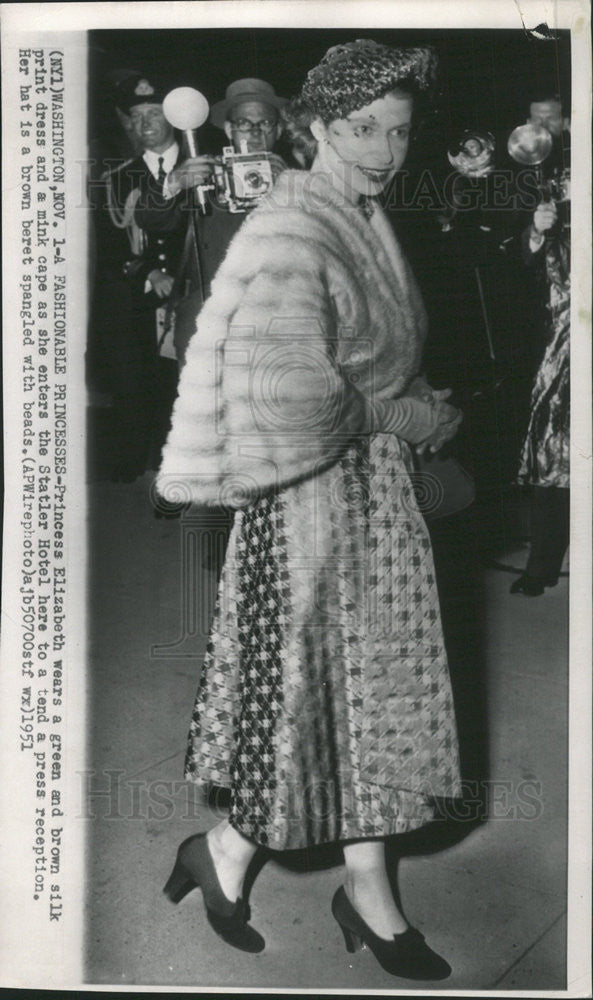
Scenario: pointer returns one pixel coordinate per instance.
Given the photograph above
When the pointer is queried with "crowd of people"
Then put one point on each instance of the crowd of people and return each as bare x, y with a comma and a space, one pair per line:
268, 358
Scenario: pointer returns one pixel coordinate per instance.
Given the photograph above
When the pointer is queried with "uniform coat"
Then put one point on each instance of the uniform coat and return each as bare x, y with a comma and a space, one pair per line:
142, 384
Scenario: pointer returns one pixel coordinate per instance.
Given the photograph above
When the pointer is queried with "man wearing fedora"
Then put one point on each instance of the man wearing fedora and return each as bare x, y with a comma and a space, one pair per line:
249, 116
143, 371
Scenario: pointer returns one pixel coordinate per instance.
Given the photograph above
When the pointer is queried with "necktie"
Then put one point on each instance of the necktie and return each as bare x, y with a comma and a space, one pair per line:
161, 174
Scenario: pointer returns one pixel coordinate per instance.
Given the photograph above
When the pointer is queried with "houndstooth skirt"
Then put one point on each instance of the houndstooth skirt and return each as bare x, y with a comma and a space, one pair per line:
324, 702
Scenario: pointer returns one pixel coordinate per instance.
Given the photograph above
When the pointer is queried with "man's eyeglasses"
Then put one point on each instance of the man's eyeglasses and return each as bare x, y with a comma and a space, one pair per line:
245, 125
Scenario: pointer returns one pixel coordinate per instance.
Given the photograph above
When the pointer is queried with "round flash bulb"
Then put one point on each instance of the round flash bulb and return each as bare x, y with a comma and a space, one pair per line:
185, 108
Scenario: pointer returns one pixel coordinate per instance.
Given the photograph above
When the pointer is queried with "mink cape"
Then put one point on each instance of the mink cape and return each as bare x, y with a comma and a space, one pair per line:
314, 314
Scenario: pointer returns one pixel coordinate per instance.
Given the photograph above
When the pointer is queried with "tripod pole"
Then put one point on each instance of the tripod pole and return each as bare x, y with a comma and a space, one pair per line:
484, 312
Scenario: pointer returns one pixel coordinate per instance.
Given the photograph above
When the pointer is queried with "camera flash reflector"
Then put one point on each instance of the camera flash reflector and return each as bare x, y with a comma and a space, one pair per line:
185, 108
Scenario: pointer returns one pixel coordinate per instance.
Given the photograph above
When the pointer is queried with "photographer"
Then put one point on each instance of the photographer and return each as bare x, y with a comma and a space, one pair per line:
249, 117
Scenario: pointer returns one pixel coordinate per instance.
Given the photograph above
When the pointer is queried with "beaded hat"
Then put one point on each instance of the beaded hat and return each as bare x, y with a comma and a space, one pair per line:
355, 74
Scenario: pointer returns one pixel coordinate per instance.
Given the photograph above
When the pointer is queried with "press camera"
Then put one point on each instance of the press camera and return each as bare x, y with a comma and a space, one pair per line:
241, 179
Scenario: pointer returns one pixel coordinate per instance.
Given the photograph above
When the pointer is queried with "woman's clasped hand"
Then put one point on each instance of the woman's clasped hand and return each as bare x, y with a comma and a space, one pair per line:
418, 420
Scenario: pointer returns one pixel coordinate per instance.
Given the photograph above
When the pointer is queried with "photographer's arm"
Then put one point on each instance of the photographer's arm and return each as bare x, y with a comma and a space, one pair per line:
191, 173
163, 213
534, 235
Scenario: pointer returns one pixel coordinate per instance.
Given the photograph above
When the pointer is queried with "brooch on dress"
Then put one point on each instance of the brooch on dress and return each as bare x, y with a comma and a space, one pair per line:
366, 207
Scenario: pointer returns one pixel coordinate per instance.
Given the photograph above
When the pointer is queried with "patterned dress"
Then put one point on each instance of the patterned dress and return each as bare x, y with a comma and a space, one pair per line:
545, 454
324, 703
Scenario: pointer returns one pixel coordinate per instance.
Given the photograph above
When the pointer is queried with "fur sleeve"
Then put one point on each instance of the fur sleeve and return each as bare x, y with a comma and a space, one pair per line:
262, 400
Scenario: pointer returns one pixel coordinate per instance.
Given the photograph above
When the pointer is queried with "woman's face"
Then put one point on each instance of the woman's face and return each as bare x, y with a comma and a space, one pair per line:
366, 149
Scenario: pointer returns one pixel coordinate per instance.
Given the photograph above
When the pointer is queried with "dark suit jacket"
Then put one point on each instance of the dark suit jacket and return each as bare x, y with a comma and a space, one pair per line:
206, 237
162, 218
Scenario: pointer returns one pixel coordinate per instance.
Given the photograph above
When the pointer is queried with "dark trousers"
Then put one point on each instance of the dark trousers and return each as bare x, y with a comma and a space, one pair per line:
144, 386
550, 531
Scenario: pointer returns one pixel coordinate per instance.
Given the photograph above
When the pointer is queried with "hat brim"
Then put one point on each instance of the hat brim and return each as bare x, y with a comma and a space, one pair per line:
126, 106
219, 111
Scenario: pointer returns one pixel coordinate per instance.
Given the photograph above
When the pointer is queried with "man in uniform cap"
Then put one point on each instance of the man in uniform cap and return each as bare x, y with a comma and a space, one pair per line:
144, 372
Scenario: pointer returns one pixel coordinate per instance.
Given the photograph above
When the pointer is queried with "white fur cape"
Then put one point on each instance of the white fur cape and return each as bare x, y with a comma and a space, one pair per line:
314, 313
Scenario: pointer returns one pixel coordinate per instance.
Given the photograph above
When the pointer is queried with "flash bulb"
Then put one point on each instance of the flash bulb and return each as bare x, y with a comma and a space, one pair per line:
185, 108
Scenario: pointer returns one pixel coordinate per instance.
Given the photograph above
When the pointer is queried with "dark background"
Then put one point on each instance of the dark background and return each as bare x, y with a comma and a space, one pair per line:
486, 76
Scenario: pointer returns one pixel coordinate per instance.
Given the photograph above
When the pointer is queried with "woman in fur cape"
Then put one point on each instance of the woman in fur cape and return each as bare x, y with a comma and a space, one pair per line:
324, 703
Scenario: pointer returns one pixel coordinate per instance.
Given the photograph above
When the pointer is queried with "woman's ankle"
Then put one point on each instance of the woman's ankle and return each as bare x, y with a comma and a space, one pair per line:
371, 897
231, 854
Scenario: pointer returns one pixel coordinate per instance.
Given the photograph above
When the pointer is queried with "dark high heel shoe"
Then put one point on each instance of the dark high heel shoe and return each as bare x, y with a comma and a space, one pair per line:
531, 586
194, 867
406, 955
